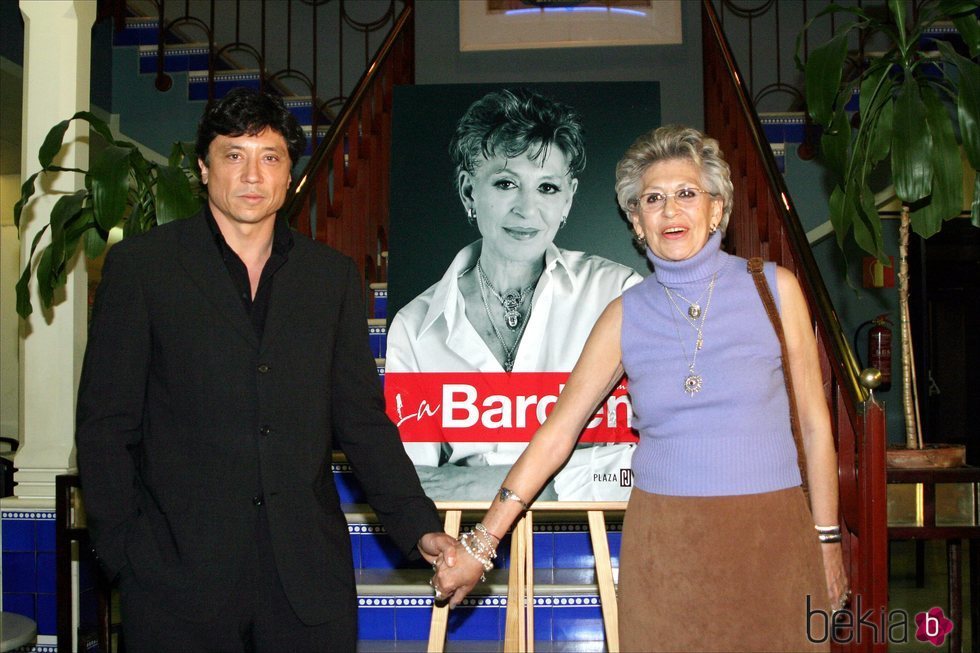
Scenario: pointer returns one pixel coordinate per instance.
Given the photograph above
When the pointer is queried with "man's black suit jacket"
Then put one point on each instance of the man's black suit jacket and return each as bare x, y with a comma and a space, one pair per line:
184, 419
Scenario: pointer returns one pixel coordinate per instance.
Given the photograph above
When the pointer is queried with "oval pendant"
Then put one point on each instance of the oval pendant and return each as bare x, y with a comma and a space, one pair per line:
692, 384
694, 311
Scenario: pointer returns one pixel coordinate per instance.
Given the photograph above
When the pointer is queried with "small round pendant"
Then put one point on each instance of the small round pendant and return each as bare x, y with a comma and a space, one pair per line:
692, 384
694, 311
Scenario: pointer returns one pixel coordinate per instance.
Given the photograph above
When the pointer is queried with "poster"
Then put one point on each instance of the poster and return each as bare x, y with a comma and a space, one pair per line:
473, 369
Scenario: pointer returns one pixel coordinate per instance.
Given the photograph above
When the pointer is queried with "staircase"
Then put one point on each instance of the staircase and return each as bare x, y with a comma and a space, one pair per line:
188, 61
340, 198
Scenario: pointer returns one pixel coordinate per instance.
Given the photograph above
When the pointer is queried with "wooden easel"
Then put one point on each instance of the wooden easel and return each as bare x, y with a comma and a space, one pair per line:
519, 629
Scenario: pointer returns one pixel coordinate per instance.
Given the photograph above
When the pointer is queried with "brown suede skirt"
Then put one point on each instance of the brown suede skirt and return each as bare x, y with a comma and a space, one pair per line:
727, 573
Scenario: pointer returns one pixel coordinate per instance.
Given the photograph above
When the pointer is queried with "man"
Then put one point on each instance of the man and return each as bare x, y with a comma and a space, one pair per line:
224, 352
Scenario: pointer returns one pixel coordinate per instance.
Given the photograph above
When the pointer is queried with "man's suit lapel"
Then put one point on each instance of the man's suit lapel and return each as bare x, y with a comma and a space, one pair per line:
199, 256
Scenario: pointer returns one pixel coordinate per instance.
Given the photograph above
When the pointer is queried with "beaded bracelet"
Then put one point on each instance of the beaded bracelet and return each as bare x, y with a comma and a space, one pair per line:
481, 549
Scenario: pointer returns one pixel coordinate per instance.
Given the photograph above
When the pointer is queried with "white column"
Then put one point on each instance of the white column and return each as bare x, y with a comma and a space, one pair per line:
57, 55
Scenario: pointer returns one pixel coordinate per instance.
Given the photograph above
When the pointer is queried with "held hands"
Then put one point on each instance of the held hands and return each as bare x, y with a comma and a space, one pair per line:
473, 557
438, 547
454, 583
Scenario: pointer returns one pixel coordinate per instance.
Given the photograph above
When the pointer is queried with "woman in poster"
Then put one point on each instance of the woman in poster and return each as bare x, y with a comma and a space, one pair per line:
721, 551
511, 301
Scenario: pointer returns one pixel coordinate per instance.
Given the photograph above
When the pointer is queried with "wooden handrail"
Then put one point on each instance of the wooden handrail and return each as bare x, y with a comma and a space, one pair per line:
341, 197
848, 369
301, 189
765, 223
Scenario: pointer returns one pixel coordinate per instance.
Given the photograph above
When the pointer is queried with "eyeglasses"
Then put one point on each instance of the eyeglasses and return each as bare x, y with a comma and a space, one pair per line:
652, 203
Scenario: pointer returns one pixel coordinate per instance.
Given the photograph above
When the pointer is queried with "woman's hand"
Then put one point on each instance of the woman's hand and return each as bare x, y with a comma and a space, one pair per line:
455, 582
838, 590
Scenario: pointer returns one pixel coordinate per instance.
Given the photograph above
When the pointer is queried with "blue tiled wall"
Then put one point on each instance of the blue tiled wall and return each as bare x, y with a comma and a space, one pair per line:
29, 567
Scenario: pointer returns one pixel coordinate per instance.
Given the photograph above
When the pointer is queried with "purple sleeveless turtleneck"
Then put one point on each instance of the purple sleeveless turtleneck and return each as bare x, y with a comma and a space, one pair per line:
733, 436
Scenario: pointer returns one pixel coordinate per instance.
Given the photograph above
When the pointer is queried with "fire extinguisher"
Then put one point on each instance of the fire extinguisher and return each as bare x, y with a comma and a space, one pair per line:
879, 347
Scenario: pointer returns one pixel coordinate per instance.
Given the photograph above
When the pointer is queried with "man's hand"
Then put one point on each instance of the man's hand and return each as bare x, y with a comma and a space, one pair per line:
438, 548
455, 584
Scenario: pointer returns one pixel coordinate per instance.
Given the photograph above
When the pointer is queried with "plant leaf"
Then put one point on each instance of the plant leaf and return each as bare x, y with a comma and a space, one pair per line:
867, 225
24, 307
99, 126
897, 9
95, 243
947, 166
66, 208
876, 111
841, 215
911, 145
110, 185
46, 278
174, 199
967, 102
834, 143
182, 152
969, 29
823, 78
26, 192
52, 143
963, 15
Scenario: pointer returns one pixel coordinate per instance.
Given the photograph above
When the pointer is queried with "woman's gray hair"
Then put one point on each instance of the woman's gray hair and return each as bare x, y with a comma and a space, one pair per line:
511, 123
675, 142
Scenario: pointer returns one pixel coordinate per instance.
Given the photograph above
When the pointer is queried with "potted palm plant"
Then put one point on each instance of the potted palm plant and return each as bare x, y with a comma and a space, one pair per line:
918, 117
122, 189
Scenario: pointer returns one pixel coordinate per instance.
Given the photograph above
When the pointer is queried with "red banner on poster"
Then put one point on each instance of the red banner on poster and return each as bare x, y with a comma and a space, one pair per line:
493, 407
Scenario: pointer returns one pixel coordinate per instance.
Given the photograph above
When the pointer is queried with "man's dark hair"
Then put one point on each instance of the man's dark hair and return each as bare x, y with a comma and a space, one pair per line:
247, 111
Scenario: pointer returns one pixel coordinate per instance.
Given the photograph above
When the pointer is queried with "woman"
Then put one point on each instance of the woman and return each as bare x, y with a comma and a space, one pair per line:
511, 301
720, 551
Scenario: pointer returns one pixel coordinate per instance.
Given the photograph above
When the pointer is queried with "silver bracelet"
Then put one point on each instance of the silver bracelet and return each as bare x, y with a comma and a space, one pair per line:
506, 494
479, 552
483, 530
828, 534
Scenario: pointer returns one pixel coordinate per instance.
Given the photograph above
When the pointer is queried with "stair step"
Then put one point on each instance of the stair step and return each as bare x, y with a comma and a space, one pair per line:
575, 616
380, 303
378, 336
142, 30
783, 127
179, 58
224, 81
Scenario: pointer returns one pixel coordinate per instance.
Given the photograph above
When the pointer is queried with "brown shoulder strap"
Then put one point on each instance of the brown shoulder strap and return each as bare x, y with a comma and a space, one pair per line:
755, 266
